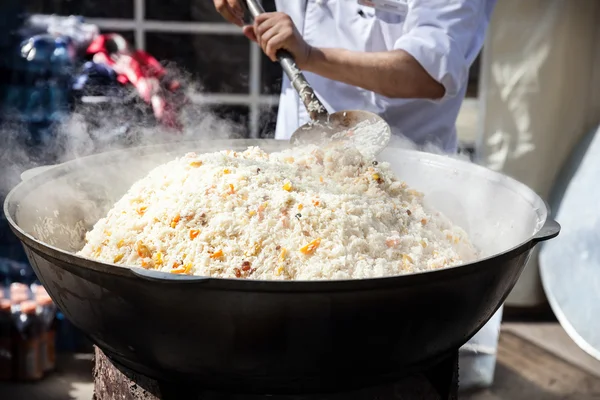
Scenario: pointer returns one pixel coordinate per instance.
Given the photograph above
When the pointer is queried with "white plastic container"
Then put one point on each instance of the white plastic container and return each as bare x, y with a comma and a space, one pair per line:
477, 358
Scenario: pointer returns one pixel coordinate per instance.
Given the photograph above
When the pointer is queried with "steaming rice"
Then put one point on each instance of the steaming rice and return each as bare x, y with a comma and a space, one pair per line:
305, 213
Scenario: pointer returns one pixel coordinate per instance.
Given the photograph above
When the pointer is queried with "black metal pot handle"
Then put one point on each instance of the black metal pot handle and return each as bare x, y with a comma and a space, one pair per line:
159, 276
550, 230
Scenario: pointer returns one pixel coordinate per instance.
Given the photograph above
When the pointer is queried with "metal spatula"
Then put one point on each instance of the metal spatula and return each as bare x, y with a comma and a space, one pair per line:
366, 130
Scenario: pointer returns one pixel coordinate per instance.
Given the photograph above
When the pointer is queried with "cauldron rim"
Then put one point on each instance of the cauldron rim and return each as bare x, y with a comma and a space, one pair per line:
547, 229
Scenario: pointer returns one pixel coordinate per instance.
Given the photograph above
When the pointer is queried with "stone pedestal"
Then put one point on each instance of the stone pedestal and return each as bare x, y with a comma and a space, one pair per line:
110, 382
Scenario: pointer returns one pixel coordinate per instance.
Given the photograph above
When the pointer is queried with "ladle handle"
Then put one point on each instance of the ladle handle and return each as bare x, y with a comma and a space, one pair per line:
316, 109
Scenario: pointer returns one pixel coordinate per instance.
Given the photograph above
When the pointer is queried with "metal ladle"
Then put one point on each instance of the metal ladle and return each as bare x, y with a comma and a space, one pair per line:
368, 131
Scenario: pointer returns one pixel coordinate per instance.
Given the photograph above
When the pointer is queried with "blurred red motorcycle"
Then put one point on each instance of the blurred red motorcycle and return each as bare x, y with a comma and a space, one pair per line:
152, 81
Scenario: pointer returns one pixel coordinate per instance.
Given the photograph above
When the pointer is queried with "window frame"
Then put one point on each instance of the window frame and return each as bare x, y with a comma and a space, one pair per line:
254, 99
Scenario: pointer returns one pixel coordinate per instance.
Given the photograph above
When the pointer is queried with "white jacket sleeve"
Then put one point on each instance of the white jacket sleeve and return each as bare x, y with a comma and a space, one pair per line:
445, 36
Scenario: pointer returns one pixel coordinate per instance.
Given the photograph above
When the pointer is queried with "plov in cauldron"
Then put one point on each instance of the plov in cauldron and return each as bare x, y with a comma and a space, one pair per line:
275, 336
304, 213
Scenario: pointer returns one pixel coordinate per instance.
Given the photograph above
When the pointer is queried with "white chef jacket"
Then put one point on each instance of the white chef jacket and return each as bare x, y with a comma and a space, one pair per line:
444, 36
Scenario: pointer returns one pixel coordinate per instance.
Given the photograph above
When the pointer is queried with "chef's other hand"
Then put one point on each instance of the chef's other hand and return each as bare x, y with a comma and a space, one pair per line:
231, 10
276, 31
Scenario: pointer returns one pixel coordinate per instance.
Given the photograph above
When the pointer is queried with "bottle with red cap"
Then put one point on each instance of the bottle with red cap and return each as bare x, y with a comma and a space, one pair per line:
46, 313
27, 341
6, 353
18, 293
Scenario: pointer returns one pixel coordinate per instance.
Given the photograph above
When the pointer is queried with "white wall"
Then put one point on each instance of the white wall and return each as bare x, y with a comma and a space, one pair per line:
539, 93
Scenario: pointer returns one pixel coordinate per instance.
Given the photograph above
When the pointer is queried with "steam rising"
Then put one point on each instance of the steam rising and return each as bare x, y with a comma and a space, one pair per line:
103, 123
119, 122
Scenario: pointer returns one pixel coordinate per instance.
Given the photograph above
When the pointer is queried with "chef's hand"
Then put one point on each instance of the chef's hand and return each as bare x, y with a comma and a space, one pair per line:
231, 10
272, 31
276, 31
